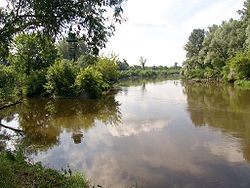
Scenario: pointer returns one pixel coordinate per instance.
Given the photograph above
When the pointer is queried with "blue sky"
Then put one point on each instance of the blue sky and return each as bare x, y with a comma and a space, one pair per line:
158, 29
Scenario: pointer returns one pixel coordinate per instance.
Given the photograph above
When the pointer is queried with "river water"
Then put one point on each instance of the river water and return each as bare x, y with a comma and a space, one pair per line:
149, 134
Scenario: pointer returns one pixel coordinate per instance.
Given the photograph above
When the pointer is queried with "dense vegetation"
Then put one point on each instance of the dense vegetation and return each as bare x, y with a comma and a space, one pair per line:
126, 71
15, 171
38, 66
222, 52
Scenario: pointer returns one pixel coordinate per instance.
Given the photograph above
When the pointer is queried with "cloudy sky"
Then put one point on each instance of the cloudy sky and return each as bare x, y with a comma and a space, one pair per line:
158, 29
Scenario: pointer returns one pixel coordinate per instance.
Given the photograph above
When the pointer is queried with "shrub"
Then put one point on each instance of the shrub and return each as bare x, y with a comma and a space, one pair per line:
108, 68
61, 78
89, 81
33, 84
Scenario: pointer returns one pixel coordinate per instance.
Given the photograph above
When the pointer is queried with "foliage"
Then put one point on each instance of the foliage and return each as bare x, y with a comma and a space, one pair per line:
194, 44
33, 51
85, 60
33, 84
149, 72
53, 17
241, 65
108, 67
89, 81
242, 84
7, 81
122, 65
222, 51
63, 48
32, 55
61, 78
15, 171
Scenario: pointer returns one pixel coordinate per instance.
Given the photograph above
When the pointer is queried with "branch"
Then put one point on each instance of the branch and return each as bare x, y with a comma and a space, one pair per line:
12, 104
11, 128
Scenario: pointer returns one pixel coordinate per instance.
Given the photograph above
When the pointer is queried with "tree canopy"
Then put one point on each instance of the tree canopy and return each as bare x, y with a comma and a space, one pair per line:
89, 18
221, 51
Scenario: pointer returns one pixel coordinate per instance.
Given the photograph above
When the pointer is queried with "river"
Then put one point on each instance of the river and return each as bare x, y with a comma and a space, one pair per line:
166, 133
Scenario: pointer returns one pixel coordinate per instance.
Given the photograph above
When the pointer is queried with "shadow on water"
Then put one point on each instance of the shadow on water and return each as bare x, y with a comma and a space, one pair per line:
43, 120
221, 107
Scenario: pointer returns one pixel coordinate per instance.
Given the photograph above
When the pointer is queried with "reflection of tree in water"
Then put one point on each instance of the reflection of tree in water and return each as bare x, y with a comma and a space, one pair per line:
141, 81
43, 120
224, 107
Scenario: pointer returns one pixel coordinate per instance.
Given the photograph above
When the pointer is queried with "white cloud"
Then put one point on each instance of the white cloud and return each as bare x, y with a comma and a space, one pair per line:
133, 125
159, 29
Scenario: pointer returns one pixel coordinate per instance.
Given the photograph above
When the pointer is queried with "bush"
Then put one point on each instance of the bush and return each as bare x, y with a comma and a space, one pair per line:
90, 81
61, 78
108, 68
33, 84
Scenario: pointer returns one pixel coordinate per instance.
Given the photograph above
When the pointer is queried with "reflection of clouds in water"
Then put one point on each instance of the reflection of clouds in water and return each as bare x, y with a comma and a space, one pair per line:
132, 125
155, 145
227, 148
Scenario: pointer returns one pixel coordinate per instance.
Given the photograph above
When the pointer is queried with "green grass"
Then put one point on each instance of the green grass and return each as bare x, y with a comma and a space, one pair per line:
15, 171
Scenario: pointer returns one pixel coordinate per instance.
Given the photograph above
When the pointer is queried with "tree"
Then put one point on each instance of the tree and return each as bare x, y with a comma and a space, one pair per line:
63, 48
193, 64
32, 55
142, 62
123, 65
53, 17
194, 43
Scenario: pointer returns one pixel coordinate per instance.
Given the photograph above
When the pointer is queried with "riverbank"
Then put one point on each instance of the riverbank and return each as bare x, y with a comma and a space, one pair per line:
244, 84
16, 171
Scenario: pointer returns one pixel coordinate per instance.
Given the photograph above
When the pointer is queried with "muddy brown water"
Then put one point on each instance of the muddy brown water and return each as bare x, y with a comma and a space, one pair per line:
147, 134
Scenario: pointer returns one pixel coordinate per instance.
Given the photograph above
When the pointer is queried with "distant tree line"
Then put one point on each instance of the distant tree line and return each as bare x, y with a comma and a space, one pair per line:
143, 71
222, 52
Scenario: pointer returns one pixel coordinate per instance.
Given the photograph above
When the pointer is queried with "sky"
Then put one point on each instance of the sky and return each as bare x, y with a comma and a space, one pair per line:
158, 29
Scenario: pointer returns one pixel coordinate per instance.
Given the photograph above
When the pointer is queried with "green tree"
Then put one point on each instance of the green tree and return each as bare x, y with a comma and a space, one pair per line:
33, 51
7, 81
53, 17
123, 65
194, 43
86, 60
32, 55
63, 48
238, 67
193, 64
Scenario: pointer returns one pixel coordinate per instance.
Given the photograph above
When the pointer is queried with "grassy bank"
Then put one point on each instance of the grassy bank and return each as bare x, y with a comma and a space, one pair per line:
15, 171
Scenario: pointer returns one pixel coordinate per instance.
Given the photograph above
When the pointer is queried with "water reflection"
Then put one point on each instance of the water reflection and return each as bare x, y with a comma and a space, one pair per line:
155, 134
43, 120
221, 107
